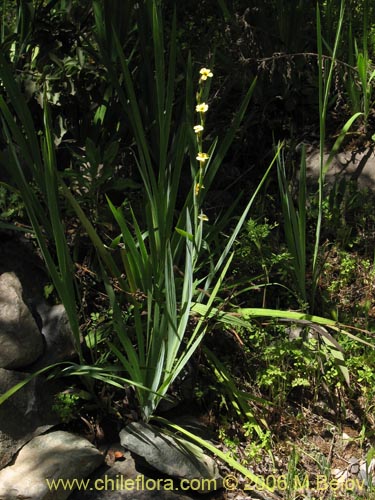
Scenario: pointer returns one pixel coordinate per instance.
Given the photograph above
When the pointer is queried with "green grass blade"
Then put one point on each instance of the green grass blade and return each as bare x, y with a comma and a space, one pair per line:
295, 221
24, 115
256, 480
93, 235
324, 94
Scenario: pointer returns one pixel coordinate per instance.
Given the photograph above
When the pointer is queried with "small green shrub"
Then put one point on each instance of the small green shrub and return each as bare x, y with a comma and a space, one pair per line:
66, 406
257, 259
288, 362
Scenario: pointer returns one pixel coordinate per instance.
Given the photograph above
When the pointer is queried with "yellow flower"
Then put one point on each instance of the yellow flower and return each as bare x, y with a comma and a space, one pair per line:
201, 108
202, 157
198, 187
198, 128
206, 73
203, 217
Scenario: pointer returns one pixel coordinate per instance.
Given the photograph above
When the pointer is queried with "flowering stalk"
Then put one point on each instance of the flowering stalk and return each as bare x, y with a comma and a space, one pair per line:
202, 157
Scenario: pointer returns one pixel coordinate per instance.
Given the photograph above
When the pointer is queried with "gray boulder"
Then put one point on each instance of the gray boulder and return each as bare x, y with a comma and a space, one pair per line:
172, 456
24, 415
126, 481
356, 165
45, 459
59, 342
21, 342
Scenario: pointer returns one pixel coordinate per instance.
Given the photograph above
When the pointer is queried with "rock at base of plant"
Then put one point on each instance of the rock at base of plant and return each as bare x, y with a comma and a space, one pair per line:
21, 342
172, 456
126, 480
46, 459
57, 334
26, 414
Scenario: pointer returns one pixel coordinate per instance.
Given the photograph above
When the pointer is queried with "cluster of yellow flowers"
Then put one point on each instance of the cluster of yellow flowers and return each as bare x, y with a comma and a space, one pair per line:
202, 157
